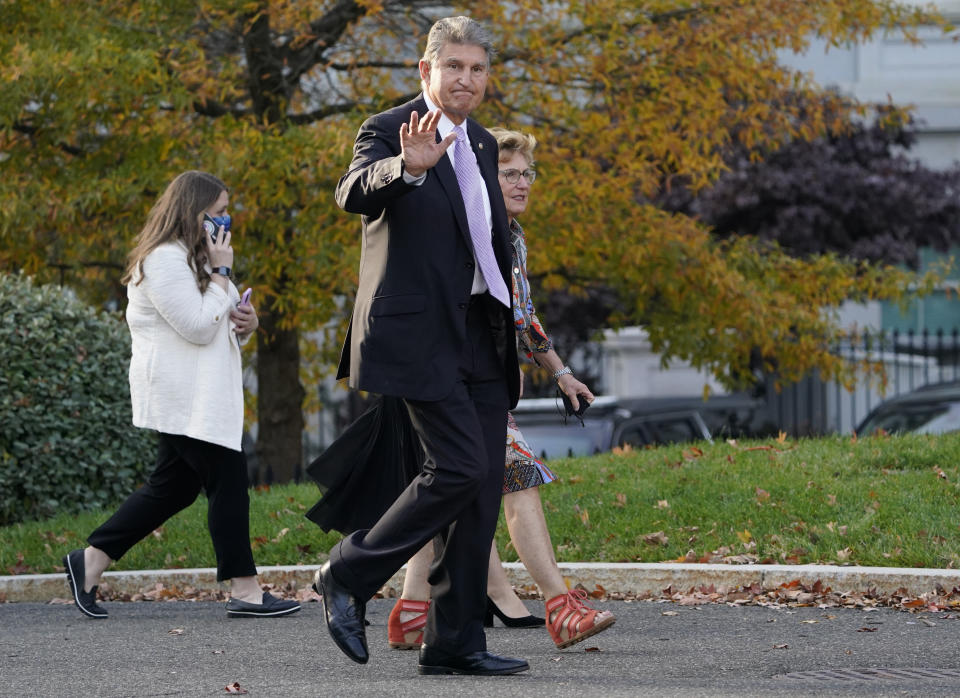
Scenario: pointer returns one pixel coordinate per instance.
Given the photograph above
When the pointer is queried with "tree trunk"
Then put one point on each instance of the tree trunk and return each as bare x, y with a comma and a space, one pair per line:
279, 401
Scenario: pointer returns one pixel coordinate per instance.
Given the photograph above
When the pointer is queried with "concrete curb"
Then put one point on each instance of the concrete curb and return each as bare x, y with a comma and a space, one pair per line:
625, 578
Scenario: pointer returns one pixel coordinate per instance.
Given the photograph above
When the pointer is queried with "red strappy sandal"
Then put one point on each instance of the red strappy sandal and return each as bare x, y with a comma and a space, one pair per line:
398, 633
575, 620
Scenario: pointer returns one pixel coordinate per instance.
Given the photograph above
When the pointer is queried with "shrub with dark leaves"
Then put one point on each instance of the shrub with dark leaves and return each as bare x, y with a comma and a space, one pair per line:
854, 192
66, 438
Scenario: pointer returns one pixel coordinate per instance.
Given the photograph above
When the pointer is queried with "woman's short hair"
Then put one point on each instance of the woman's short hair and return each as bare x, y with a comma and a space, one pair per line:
511, 142
457, 30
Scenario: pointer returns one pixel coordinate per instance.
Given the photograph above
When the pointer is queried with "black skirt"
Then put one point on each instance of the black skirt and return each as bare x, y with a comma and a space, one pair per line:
366, 468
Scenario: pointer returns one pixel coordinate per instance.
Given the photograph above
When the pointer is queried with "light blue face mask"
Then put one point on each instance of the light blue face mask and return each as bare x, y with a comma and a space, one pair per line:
223, 220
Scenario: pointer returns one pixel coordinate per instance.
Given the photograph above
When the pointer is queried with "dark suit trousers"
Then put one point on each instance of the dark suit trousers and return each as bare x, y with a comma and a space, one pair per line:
456, 496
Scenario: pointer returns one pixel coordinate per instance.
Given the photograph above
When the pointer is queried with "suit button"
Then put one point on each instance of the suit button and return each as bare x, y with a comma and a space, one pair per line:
461, 305
469, 265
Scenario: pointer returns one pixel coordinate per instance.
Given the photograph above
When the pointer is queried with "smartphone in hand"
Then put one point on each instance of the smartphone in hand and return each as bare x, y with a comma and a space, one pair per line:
568, 406
212, 225
245, 299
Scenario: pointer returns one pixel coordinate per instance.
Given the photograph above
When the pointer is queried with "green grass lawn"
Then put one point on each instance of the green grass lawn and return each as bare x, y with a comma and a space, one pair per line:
888, 501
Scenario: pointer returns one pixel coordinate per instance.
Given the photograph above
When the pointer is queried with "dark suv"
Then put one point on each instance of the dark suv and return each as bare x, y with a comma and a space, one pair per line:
932, 409
639, 422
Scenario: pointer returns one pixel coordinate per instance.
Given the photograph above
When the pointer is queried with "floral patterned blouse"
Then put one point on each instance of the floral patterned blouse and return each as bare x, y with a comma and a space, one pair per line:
529, 329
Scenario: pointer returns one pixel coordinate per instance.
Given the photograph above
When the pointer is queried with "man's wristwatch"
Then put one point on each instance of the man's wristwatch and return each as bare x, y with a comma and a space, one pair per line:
565, 371
222, 271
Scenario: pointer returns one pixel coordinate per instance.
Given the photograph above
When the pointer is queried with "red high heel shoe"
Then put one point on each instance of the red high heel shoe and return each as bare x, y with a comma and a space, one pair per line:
399, 634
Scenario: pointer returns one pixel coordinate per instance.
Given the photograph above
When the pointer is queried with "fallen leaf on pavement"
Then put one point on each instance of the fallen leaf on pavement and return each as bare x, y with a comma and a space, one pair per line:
781, 646
591, 649
234, 688
867, 630
175, 631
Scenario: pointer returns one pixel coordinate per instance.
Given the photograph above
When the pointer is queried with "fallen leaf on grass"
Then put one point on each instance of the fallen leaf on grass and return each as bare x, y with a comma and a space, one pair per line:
583, 514
621, 500
19, 567
234, 688
661, 504
656, 538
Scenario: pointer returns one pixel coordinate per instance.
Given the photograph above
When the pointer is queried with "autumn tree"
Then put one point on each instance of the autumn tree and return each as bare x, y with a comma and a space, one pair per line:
105, 100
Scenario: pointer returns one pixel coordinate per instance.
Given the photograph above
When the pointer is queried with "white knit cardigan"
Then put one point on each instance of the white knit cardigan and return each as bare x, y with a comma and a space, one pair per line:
185, 368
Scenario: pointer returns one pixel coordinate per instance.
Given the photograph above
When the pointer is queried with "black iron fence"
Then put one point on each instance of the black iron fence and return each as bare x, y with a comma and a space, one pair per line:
909, 360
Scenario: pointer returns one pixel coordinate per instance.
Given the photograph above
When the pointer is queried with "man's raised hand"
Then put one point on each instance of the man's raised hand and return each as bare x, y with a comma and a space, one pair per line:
418, 143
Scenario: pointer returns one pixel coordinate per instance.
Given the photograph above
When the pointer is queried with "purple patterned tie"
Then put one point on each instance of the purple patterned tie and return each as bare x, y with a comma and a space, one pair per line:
468, 177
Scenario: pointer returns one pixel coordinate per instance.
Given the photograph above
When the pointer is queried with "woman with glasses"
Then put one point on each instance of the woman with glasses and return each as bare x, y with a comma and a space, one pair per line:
569, 618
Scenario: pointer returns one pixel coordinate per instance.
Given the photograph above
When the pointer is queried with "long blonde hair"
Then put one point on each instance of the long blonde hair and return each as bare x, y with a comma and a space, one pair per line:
178, 215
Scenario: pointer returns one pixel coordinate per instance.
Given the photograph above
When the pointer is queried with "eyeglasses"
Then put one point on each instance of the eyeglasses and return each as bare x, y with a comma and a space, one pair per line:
513, 176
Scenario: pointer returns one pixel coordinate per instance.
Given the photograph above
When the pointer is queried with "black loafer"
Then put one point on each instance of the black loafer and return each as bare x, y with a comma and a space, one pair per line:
270, 606
344, 614
434, 661
86, 600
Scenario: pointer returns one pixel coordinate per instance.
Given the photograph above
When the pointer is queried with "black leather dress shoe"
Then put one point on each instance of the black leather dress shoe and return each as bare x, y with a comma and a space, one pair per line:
434, 661
344, 615
86, 600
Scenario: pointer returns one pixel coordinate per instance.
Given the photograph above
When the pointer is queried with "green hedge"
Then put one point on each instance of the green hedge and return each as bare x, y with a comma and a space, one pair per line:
66, 438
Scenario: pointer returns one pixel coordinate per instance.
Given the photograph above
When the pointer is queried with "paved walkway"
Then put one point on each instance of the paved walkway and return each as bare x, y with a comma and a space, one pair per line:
655, 649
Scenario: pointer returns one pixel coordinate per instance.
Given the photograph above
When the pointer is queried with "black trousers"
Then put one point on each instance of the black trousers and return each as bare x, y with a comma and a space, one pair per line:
184, 467
456, 496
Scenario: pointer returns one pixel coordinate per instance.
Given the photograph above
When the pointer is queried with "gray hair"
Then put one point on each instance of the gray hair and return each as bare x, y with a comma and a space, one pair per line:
511, 142
457, 30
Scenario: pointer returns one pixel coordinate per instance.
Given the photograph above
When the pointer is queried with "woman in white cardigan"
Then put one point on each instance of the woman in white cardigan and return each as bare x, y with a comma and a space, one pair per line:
186, 324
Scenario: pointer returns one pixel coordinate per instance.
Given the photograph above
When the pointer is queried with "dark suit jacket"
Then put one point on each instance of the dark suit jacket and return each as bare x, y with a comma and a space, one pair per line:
416, 266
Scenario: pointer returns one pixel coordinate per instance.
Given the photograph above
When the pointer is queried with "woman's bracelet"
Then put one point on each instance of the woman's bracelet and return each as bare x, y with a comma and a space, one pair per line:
565, 371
